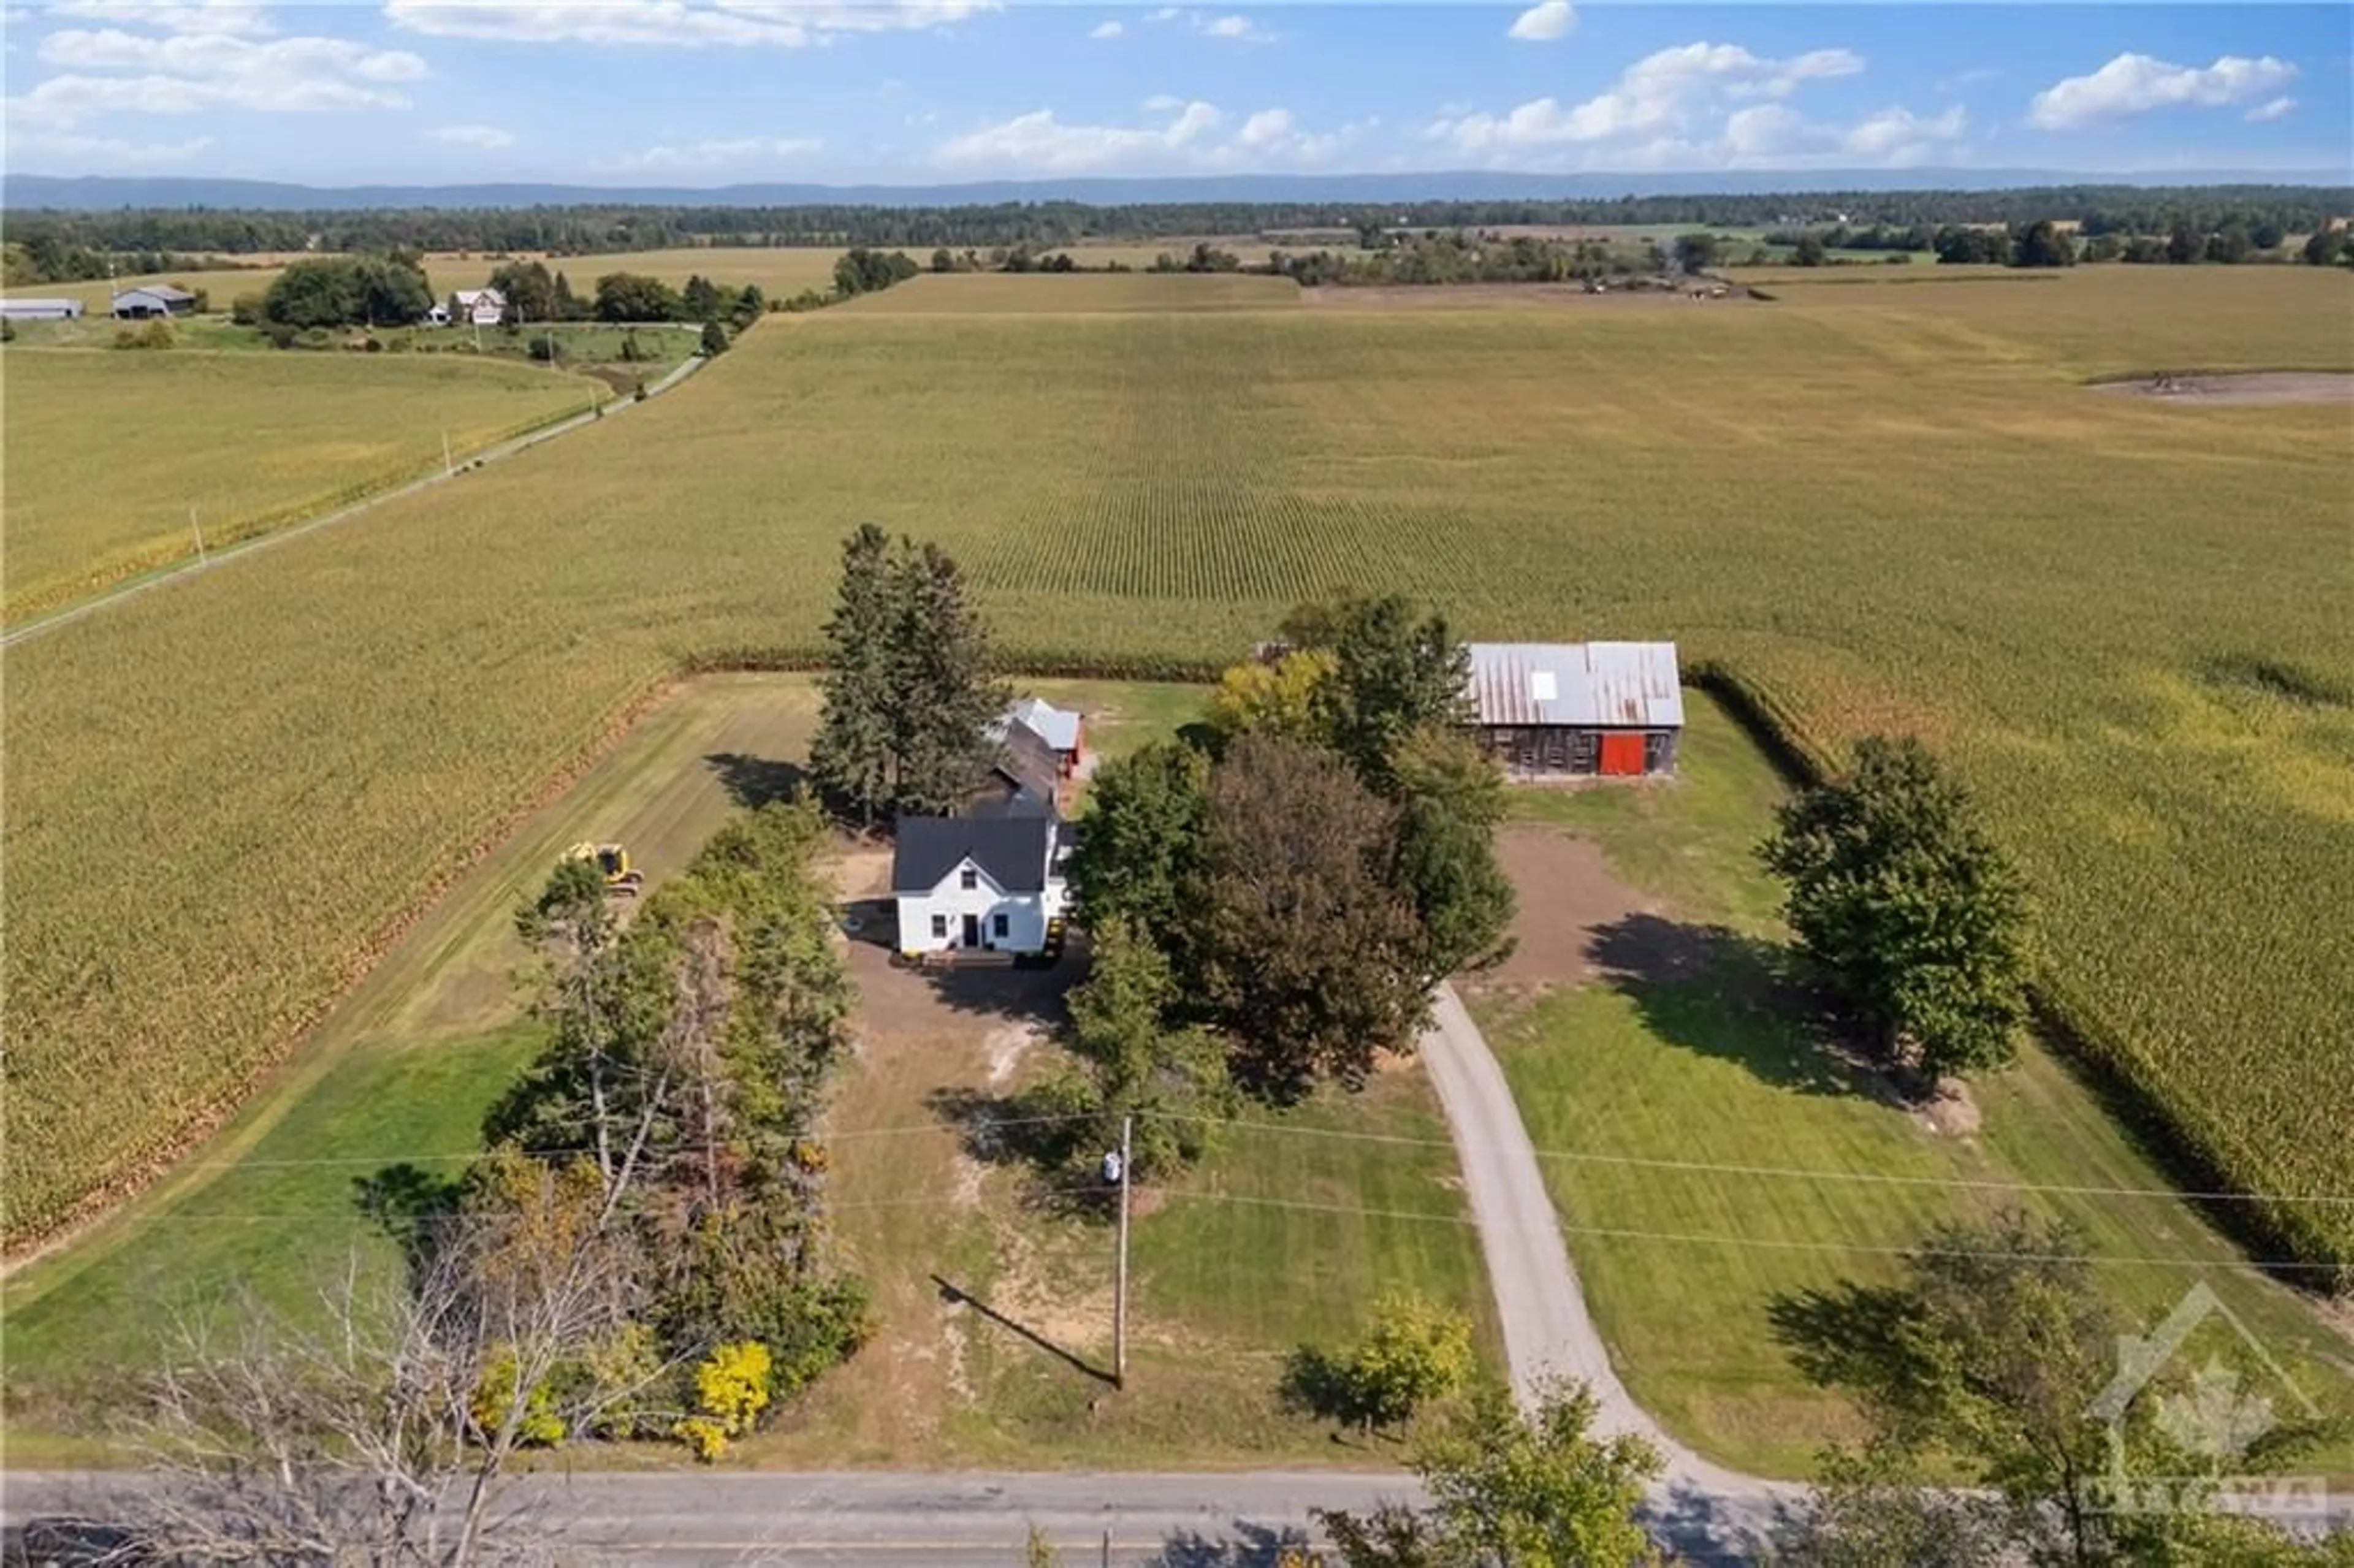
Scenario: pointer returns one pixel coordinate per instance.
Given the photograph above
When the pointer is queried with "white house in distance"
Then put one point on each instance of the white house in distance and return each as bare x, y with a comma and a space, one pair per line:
483, 307
981, 883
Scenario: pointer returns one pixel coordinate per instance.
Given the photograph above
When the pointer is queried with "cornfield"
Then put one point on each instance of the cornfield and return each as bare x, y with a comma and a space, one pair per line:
108, 454
2123, 619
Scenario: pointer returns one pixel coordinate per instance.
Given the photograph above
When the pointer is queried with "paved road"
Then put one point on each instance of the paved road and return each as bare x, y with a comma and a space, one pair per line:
863, 1520
115, 596
1547, 1330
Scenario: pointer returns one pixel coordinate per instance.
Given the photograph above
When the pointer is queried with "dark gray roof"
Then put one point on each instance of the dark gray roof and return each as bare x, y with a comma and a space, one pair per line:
1011, 849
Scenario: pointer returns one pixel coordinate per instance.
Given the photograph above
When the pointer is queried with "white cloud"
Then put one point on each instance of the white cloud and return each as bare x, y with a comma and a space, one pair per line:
2135, 84
1544, 22
102, 152
1166, 13
1653, 103
485, 136
1163, 103
713, 154
240, 17
1188, 138
683, 24
2277, 109
189, 72
1240, 29
1106, 30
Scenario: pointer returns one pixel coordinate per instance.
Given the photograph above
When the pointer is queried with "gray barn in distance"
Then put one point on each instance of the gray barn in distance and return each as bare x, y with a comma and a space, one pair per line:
1549, 710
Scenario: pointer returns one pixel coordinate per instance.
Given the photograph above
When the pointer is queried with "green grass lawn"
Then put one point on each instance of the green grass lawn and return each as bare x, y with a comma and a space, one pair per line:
1628, 1075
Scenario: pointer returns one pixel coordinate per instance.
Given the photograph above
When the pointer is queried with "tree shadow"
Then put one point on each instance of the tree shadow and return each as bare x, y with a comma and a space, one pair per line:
1248, 1546
1697, 1527
956, 1295
1052, 1144
1850, 1336
754, 781
409, 1205
1716, 993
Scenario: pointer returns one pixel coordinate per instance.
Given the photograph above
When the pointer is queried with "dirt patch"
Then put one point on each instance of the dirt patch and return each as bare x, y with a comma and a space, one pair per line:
2254, 388
1951, 1112
1005, 1047
1566, 894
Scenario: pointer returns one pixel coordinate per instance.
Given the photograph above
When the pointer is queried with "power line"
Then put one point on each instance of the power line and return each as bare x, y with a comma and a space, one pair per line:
1611, 1233
1690, 1166
1794, 1172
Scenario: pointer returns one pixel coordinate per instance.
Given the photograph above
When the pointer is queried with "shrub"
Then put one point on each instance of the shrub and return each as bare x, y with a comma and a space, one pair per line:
492, 1406
1416, 1351
732, 1386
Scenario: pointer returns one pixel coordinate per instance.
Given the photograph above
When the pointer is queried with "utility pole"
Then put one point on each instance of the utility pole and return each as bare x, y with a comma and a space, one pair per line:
1120, 1287
198, 530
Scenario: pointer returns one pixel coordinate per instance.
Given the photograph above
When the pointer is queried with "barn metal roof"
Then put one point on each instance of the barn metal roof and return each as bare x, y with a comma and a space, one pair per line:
1593, 684
1058, 727
155, 292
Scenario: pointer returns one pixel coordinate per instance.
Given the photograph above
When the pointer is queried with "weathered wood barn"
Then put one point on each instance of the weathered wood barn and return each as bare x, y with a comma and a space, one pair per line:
1551, 709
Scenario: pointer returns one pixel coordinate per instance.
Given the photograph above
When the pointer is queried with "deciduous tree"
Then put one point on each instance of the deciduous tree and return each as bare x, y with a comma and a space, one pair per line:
1905, 905
1538, 1490
1277, 699
1140, 842
1392, 673
1136, 1063
1304, 950
1450, 799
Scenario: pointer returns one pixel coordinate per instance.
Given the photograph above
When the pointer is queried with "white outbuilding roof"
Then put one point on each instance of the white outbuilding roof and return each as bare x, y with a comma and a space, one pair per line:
1058, 727
1599, 686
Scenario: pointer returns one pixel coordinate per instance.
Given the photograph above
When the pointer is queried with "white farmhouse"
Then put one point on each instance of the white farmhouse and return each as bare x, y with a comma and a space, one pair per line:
483, 307
980, 883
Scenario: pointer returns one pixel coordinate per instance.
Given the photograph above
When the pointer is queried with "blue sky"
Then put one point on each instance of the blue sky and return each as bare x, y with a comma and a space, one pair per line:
705, 92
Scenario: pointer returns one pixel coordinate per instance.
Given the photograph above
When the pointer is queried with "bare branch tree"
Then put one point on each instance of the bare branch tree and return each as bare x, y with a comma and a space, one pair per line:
384, 1430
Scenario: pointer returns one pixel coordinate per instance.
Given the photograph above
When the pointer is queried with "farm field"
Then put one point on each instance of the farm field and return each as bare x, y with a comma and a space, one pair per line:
403, 1071
250, 441
221, 285
782, 273
1646, 1040
1077, 294
1886, 507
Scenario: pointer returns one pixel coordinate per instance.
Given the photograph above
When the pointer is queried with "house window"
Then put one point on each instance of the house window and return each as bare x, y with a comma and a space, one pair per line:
940, 926
970, 880
997, 925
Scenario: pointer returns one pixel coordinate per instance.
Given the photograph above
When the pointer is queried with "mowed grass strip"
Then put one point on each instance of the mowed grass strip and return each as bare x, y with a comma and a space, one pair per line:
1891, 508
1637, 1073
108, 454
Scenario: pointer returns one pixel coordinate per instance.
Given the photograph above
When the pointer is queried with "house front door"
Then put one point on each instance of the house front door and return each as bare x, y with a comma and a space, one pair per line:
973, 930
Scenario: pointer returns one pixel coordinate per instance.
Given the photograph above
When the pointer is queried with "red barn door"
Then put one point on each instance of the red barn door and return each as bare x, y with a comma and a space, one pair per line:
1622, 752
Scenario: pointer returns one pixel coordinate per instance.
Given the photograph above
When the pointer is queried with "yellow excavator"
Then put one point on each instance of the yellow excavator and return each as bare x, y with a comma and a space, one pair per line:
622, 880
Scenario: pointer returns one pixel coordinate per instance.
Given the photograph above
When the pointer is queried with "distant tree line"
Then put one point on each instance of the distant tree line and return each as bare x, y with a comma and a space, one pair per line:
602, 228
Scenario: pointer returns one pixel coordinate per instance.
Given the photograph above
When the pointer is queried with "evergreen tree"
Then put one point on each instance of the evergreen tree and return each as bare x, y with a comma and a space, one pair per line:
852, 754
714, 342
944, 697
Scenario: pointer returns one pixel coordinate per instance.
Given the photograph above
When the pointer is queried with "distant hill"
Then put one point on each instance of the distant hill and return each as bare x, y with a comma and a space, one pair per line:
107, 193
